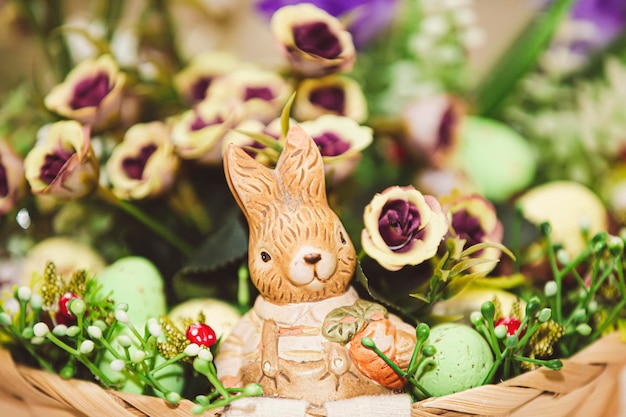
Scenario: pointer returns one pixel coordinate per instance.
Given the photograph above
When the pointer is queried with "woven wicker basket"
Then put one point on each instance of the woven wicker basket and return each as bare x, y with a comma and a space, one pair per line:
588, 385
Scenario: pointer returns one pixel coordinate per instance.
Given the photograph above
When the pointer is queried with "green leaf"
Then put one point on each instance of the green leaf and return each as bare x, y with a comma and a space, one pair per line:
468, 263
221, 250
265, 140
521, 57
284, 116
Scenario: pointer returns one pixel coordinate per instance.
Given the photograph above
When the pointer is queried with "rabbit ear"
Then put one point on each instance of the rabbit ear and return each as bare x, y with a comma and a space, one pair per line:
300, 168
251, 183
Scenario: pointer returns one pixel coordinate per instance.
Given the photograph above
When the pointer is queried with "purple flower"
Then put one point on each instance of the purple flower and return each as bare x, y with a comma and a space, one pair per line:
402, 227
607, 16
367, 18
333, 94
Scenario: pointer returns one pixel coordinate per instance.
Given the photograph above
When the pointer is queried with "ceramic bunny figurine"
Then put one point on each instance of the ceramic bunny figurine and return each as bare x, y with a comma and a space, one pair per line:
302, 260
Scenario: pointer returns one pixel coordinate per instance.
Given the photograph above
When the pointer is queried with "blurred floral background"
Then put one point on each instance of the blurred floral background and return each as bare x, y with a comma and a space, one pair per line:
519, 102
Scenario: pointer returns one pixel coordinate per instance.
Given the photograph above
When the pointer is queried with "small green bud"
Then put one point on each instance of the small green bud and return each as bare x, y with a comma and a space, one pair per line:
593, 306
500, 331
28, 332
124, 341
138, 356
545, 228
68, 371
422, 332
368, 342
512, 341
100, 324
24, 294
429, 350
550, 289
94, 332
253, 390
554, 364
476, 318
202, 399
201, 366
73, 331
59, 330
583, 329
532, 307
197, 409
544, 315
579, 315
562, 256
121, 316
40, 329
122, 306
616, 245
117, 365
205, 354
36, 302
77, 306
86, 347
173, 397
5, 319
192, 349
37, 340
488, 310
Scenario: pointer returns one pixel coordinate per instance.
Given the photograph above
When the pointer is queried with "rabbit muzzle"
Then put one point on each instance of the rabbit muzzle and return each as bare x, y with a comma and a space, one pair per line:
311, 263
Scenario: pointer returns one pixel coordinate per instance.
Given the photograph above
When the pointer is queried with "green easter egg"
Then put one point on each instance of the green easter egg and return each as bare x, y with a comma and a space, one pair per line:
136, 281
462, 360
497, 159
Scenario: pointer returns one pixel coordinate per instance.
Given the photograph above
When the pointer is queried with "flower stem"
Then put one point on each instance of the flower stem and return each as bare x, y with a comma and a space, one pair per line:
146, 220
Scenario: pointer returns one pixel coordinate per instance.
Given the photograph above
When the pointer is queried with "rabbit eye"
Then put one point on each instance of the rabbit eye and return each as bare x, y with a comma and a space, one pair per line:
342, 238
265, 257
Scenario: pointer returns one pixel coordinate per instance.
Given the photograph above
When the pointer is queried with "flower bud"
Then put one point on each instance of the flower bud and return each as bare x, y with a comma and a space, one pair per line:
117, 365
563, 257
583, 329
488, 310
59, 330
512, 341
154, 329
396, 234
86, 347
616, 245
122, 306
77, 306
314, 42
90, 94
73, 331
124, 341
121, 316
144, 164
253, 390
94, 332
429, 350
63, 165
36, 302
100, 324
173, 397
500, 331
192, 349
544, 315
5, 319
477, 318
24, 294
532, 307
201, 366
28, 332
550, 289
137, 356
40, 329
579, 315
422, 332
205, 354
37, 340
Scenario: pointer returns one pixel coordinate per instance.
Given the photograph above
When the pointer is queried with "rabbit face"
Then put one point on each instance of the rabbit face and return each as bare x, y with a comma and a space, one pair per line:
299, 251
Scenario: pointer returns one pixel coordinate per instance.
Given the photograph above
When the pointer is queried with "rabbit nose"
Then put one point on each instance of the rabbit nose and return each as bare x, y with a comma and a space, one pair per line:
312, 258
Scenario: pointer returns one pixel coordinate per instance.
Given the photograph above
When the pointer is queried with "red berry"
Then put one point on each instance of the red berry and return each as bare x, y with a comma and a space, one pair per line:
201, 334
63, 314
511, 323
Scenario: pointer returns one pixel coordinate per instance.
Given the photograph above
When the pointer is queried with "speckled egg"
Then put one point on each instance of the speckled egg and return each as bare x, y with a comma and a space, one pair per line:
220, 315
497, 159
136, 281
462, 360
